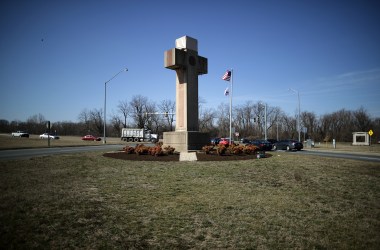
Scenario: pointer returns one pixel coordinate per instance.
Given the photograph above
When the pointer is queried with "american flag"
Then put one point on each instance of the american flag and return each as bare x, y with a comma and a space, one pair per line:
226, 92
227, 75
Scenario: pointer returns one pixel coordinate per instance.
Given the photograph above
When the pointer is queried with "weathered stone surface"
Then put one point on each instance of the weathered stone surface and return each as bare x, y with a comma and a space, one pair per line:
184, 141
188, 156
184, 59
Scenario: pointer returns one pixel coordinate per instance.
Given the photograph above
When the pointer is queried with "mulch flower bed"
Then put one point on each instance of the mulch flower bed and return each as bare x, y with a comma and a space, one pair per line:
175, 157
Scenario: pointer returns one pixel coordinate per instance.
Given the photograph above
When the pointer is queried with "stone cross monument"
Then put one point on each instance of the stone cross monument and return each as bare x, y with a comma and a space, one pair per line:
184, 59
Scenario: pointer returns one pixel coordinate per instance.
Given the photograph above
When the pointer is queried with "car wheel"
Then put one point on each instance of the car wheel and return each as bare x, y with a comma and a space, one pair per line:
274, 147
288, 148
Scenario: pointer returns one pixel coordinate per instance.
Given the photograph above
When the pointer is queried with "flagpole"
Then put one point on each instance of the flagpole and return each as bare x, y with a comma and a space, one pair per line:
232, 83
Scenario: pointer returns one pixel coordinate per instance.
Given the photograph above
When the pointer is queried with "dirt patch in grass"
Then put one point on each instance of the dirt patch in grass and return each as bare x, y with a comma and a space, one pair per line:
175, 157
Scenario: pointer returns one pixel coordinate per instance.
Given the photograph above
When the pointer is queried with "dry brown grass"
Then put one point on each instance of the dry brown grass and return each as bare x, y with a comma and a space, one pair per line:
9, 142
347, 147
288, 201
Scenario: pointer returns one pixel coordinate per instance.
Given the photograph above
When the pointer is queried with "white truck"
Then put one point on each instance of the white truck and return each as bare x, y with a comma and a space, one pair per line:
138, 135
20, 134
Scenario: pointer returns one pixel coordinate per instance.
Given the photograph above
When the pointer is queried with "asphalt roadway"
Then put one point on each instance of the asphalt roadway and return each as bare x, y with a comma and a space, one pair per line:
16, 154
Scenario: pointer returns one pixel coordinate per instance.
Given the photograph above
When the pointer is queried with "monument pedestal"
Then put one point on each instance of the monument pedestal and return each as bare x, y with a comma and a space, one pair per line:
184, 141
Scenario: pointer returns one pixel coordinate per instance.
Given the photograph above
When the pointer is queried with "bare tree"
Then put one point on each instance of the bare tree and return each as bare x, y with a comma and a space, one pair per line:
206, 121
342, 125
223, 119
362, 121
5, 126
259, 113
274, 118
36, 124
152, 119
96, 118
245, 118
310, 122
376, 129
289, 127
68, 128
84, 118
168, 106
124, 109
138, 105
116, 124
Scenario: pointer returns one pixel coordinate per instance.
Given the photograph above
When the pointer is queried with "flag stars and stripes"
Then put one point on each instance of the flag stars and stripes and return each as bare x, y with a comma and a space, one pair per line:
227, 76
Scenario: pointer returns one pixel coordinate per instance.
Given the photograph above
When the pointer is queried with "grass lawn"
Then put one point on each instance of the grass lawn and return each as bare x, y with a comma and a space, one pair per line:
34, 141
286, 201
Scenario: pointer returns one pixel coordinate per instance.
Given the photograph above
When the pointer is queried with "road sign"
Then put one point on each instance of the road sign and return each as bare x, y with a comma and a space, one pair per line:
370, 132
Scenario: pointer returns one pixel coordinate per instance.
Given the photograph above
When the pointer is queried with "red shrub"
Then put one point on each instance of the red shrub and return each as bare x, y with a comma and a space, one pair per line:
250, 149
207, 149
156, 151
169, 150
221, 150
140, 149
236, 149
129, 150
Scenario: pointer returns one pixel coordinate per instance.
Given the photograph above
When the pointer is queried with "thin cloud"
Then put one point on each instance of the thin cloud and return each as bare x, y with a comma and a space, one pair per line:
351, 81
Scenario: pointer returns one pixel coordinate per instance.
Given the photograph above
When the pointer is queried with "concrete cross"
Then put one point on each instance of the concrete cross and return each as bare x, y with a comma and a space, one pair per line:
184, 59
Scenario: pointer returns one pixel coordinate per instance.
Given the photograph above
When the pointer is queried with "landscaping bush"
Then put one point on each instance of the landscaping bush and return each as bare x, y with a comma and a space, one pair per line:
221, 149
207, 149
156, 151
236, 149
140, 149
169, 150
250, 149
129, 150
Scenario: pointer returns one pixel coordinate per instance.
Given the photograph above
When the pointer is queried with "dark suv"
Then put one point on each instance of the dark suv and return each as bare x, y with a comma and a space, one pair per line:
288, 145
263, 145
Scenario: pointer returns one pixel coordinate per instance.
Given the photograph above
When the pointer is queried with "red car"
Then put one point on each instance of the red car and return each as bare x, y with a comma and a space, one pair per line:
90, 138
224, 141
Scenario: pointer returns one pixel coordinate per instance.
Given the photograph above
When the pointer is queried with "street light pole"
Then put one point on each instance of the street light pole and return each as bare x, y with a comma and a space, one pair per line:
265, 120
299, 114
105, 104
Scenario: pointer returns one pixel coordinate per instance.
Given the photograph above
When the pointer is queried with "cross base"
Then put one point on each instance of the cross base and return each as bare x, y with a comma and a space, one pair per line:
184, 141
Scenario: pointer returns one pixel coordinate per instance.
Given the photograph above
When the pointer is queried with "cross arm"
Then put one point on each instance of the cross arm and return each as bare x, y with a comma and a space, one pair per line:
175, 59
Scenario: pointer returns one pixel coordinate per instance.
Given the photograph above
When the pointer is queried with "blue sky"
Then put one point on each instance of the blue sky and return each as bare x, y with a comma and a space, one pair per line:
56, 55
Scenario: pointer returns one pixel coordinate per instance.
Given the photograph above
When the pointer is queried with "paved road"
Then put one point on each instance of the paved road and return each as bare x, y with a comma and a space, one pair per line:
29, 153
344, 155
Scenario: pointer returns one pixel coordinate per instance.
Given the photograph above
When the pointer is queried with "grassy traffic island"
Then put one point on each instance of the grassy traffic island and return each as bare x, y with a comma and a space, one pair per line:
85, 200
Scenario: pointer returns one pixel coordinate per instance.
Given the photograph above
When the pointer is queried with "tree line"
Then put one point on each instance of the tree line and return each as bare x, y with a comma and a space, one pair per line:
248, 121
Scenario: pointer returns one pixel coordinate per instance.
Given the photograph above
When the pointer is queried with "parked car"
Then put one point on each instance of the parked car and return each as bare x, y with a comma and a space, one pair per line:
244, 140
288, 145
90, 138
224, 141
20, 134
273, 141
46, 136
215, 141
263, 145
